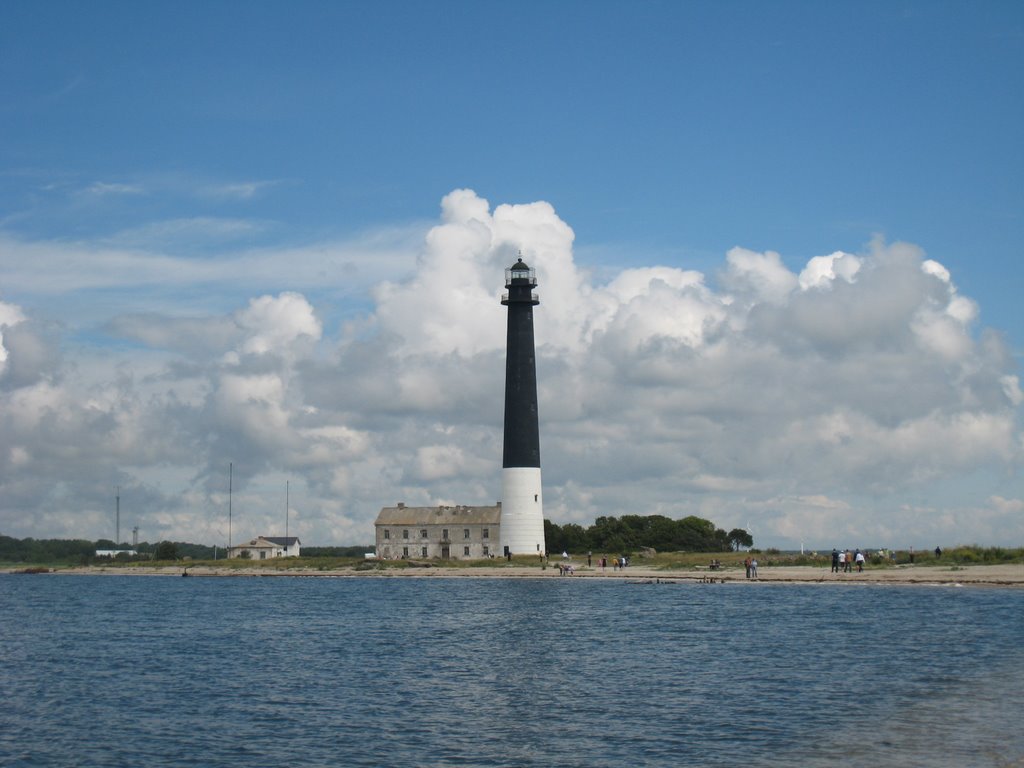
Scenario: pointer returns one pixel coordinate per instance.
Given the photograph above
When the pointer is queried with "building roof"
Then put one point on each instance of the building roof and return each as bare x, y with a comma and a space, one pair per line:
264, 542
441, 515
284, 541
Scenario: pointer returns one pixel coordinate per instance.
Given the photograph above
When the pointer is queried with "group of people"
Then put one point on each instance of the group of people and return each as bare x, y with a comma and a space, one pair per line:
751, 565
844, 562
565, 568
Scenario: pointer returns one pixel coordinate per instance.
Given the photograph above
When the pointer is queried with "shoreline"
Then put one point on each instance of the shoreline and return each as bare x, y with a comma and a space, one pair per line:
1004, 575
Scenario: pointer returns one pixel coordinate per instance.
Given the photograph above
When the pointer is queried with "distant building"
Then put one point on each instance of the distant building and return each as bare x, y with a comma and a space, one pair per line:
112, 553
447, 533
268, 547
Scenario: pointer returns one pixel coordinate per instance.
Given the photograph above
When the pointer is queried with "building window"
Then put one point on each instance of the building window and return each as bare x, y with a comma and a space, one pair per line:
465, 551
405, 551
465, 533
387, 534
423, 533
487, 551
444, 534
263, 554
405, 534
487, 533
423, 551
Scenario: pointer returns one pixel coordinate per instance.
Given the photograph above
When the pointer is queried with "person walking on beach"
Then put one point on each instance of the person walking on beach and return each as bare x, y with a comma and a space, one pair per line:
849, 562
835, 560
860, 561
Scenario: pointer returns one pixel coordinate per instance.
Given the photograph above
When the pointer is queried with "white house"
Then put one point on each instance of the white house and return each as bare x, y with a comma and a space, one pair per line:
112, 553
267, 547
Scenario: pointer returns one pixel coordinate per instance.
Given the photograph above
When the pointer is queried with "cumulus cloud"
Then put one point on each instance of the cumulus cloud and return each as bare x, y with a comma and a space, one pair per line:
278, 324
841, 403
10, 316
822, 271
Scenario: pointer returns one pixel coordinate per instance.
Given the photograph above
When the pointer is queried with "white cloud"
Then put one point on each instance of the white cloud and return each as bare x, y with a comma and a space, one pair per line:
1007, 506
821, 271
277, 324
834, 406
10, 316
242, 190
1011, 386
174, 233
105, 189
758, 276
935, 269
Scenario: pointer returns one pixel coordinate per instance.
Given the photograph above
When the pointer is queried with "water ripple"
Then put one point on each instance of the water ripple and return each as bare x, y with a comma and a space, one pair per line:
100, 671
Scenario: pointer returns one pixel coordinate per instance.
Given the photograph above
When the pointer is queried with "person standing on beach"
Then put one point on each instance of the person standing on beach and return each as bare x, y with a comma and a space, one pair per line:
835, 560
849, 562
860, 561
753, 568
841, 562
747, 564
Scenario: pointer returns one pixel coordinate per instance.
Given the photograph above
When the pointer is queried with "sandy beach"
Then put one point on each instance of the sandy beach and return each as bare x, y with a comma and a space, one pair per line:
974, 575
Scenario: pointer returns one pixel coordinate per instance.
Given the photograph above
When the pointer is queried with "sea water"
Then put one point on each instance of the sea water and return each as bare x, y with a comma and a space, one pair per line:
160, 671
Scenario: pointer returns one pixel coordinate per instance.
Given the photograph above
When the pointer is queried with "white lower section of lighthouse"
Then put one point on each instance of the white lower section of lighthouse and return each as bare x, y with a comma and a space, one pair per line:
522, 511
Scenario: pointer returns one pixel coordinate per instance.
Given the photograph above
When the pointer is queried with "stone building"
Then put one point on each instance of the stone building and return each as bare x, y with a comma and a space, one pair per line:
447, 533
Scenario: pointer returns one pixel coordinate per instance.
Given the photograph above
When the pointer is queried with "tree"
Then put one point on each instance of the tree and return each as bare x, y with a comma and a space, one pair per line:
738, 537
166, 550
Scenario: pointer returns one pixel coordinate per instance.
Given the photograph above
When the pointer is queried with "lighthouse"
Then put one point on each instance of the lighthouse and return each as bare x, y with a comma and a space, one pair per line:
522, 505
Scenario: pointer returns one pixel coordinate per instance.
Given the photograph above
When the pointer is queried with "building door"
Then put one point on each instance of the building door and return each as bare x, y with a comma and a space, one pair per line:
446, 552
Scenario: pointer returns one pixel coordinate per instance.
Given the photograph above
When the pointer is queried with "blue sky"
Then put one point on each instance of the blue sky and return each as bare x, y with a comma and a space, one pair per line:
167, 164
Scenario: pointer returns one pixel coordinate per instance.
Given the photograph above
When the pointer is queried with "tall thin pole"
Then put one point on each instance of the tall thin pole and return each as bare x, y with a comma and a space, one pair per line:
230, 468
286, 482
117, 534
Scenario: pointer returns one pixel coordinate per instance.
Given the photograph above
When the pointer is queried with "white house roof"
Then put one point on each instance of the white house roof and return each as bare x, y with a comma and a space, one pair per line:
266, 542
283, 541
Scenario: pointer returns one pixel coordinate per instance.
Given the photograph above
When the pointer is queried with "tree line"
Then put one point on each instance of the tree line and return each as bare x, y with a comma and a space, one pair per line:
83, 551
629, 533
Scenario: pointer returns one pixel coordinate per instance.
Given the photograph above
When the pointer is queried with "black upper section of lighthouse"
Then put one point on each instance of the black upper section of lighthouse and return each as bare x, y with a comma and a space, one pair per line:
522, 434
